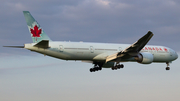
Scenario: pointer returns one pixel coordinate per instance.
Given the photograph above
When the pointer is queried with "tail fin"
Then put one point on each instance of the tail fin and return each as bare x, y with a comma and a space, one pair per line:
37, 33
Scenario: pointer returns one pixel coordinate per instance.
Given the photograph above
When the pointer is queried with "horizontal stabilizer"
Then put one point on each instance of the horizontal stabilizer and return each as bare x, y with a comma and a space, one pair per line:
43, 44
14, 46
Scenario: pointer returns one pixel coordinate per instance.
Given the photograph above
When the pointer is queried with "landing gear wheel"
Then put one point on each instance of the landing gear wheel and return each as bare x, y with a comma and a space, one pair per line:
92, 70
117, 66
122, 66
96, 67
167, 68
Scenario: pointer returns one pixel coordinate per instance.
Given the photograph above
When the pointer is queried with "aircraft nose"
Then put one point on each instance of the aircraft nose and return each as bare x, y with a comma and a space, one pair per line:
176, 55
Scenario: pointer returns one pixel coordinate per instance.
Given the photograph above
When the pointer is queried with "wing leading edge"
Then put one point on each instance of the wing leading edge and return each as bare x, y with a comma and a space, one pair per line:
132, 50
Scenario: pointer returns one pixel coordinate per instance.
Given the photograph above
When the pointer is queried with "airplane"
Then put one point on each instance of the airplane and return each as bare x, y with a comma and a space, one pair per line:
102, 55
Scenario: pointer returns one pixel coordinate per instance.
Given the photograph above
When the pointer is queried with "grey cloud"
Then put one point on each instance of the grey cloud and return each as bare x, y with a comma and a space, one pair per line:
118, 21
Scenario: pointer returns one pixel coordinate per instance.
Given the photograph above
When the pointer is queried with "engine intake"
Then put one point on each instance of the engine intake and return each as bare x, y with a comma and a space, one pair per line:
144, 58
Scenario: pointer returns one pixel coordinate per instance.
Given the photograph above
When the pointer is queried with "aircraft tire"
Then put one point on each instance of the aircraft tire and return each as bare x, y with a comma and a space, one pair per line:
122, 66
118, 66
92, 70
167, 68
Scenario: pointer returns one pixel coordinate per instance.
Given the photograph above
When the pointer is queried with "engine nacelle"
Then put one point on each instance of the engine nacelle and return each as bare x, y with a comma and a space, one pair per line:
144, 58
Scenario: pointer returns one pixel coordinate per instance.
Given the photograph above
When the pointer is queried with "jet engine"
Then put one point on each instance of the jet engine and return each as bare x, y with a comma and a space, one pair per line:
144, 58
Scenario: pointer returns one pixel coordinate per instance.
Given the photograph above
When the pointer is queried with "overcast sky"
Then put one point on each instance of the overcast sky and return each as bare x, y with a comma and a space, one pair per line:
112, 21
25, 75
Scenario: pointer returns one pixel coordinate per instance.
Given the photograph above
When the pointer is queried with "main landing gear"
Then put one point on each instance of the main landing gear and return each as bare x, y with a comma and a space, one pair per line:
97, 67
117, 66
167, 68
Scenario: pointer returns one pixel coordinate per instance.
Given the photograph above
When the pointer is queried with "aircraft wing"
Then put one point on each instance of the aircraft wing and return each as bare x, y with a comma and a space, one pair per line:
132, 50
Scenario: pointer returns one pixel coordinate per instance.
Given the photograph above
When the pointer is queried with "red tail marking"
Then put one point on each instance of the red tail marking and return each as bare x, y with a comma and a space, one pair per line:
36, 31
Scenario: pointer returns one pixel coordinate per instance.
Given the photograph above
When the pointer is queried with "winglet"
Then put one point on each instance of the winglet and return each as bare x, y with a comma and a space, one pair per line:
144, 40
138, 45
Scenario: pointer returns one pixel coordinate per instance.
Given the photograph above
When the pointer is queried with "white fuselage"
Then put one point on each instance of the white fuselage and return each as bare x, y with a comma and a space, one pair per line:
98, 51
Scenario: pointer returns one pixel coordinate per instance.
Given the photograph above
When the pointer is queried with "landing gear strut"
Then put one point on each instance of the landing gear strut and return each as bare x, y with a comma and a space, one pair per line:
97, 67
117, 66
167, 68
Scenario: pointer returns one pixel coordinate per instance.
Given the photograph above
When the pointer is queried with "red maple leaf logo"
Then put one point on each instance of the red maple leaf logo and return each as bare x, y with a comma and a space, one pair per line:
36, 31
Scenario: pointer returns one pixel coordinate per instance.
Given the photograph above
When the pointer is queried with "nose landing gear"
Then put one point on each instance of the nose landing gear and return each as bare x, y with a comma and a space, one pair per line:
167, 68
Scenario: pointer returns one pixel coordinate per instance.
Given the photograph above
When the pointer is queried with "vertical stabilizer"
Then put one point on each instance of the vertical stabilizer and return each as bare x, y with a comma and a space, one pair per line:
37, 33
